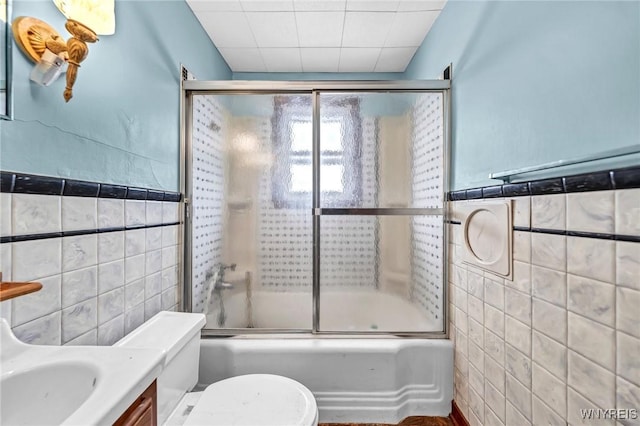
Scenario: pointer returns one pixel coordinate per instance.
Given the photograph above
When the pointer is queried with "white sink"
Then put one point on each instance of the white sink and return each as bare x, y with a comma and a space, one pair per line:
70, 385
45, 394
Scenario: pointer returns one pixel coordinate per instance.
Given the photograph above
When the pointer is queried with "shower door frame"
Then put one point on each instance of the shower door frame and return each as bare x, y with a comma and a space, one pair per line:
313, 88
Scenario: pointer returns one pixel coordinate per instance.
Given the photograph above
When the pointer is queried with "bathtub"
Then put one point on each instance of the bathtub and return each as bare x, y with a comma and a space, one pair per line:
355, 379
340, 310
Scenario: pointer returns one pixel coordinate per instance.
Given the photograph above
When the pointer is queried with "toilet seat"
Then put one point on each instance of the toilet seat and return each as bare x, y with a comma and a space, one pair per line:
255, 400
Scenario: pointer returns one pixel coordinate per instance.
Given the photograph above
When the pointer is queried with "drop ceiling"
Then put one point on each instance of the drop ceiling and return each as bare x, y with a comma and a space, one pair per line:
317, 35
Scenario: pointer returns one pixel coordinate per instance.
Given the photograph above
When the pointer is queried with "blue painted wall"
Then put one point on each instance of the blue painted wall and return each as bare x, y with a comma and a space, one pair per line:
122, 125
536, 81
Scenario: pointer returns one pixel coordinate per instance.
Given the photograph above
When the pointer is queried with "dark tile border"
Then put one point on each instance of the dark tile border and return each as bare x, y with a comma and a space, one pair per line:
33, 237
44, 185
626, 178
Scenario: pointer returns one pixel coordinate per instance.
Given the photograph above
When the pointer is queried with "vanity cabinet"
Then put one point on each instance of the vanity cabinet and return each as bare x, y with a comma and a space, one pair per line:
143, 411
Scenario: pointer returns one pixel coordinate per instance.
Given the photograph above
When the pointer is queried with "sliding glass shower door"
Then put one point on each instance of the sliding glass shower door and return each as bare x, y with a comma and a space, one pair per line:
316, 209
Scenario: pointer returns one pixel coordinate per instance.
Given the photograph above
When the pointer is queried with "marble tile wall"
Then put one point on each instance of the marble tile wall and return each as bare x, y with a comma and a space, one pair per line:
97, 287
564, 334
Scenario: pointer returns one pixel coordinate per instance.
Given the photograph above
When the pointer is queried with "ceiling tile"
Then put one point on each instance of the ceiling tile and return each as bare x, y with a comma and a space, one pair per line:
282, 59
409, 28
267, 5
412, 5
394, 59
319, 5
320, 29
244, 60
227, 29
366, 29
358, 59
273, 29
373, 5
215, 5
320, 59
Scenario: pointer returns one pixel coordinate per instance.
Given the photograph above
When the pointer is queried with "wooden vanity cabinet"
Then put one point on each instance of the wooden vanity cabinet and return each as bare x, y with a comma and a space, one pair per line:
143, 411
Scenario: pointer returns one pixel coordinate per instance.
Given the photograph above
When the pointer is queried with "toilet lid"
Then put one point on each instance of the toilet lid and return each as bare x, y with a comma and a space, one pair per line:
255, 400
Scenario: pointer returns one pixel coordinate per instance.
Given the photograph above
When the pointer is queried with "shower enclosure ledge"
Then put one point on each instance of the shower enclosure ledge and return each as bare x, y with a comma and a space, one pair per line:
357, 380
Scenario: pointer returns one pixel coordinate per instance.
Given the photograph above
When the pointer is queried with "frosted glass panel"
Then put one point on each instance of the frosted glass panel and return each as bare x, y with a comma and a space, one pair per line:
391, 147
252, 180
381, 273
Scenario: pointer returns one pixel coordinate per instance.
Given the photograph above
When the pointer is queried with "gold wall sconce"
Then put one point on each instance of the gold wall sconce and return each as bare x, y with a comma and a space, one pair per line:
86, 19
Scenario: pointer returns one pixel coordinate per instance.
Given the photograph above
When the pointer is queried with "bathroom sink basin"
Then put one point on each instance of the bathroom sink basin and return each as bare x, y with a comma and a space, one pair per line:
45, 394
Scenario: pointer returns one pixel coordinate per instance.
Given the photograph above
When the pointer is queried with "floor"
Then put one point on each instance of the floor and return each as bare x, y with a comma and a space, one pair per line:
409, 421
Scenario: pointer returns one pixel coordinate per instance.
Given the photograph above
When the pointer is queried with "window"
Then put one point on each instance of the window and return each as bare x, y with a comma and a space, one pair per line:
340, 142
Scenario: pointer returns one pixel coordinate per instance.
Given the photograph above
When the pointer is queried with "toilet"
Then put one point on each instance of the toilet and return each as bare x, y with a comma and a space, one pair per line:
249, 400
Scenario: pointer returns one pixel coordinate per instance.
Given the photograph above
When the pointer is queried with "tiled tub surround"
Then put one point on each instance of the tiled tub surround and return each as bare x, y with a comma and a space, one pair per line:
106, 264
563, 335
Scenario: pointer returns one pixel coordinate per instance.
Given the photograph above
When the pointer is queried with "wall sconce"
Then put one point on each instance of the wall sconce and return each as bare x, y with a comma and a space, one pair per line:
40, 42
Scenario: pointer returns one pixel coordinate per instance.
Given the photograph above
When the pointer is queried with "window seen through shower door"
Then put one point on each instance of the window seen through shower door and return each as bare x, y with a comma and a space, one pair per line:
365, 202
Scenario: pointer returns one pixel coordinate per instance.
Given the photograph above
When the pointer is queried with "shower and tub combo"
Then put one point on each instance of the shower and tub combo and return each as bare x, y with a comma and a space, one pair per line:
315, 239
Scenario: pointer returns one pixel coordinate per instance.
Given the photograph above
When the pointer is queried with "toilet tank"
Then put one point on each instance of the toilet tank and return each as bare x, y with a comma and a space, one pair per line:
177, 335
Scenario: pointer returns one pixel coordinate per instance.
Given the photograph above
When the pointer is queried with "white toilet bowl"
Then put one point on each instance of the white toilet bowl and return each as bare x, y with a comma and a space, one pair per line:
250, 400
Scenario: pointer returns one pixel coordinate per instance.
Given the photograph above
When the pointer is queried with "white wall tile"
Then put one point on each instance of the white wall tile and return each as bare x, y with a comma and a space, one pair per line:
543, 415
576, 404
134, 212
79, 252
550, 320
35, 305
35, 214
628, 360
519, 395
110, 276
476, 404
549, 251
153, 239
169, 235
476, 357
134, 268
170, 212
152, 306
548, 211
521, 277
79, 319
169, 298
627, 316
153, 262
110, 305
79, 213
496, 402
518, 365
110, 213
90, 338
169, 257
79, 285
595, 383
134, 242
133, 294
169, 277
46, 252
476, 309
591, 211
515, 417
154, 213
494, 320
592, 299
522, 211
152, 285
518, 335
551, 390
550, 355
627, 396
591, 258
522, 246
5, 214
133, 318
110, 246
627, 212
549, 285
6, 260
45, 330
628, 264
494, 346
6, 308
494, 293
475, 284
495, 374
112, 331
518, 305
